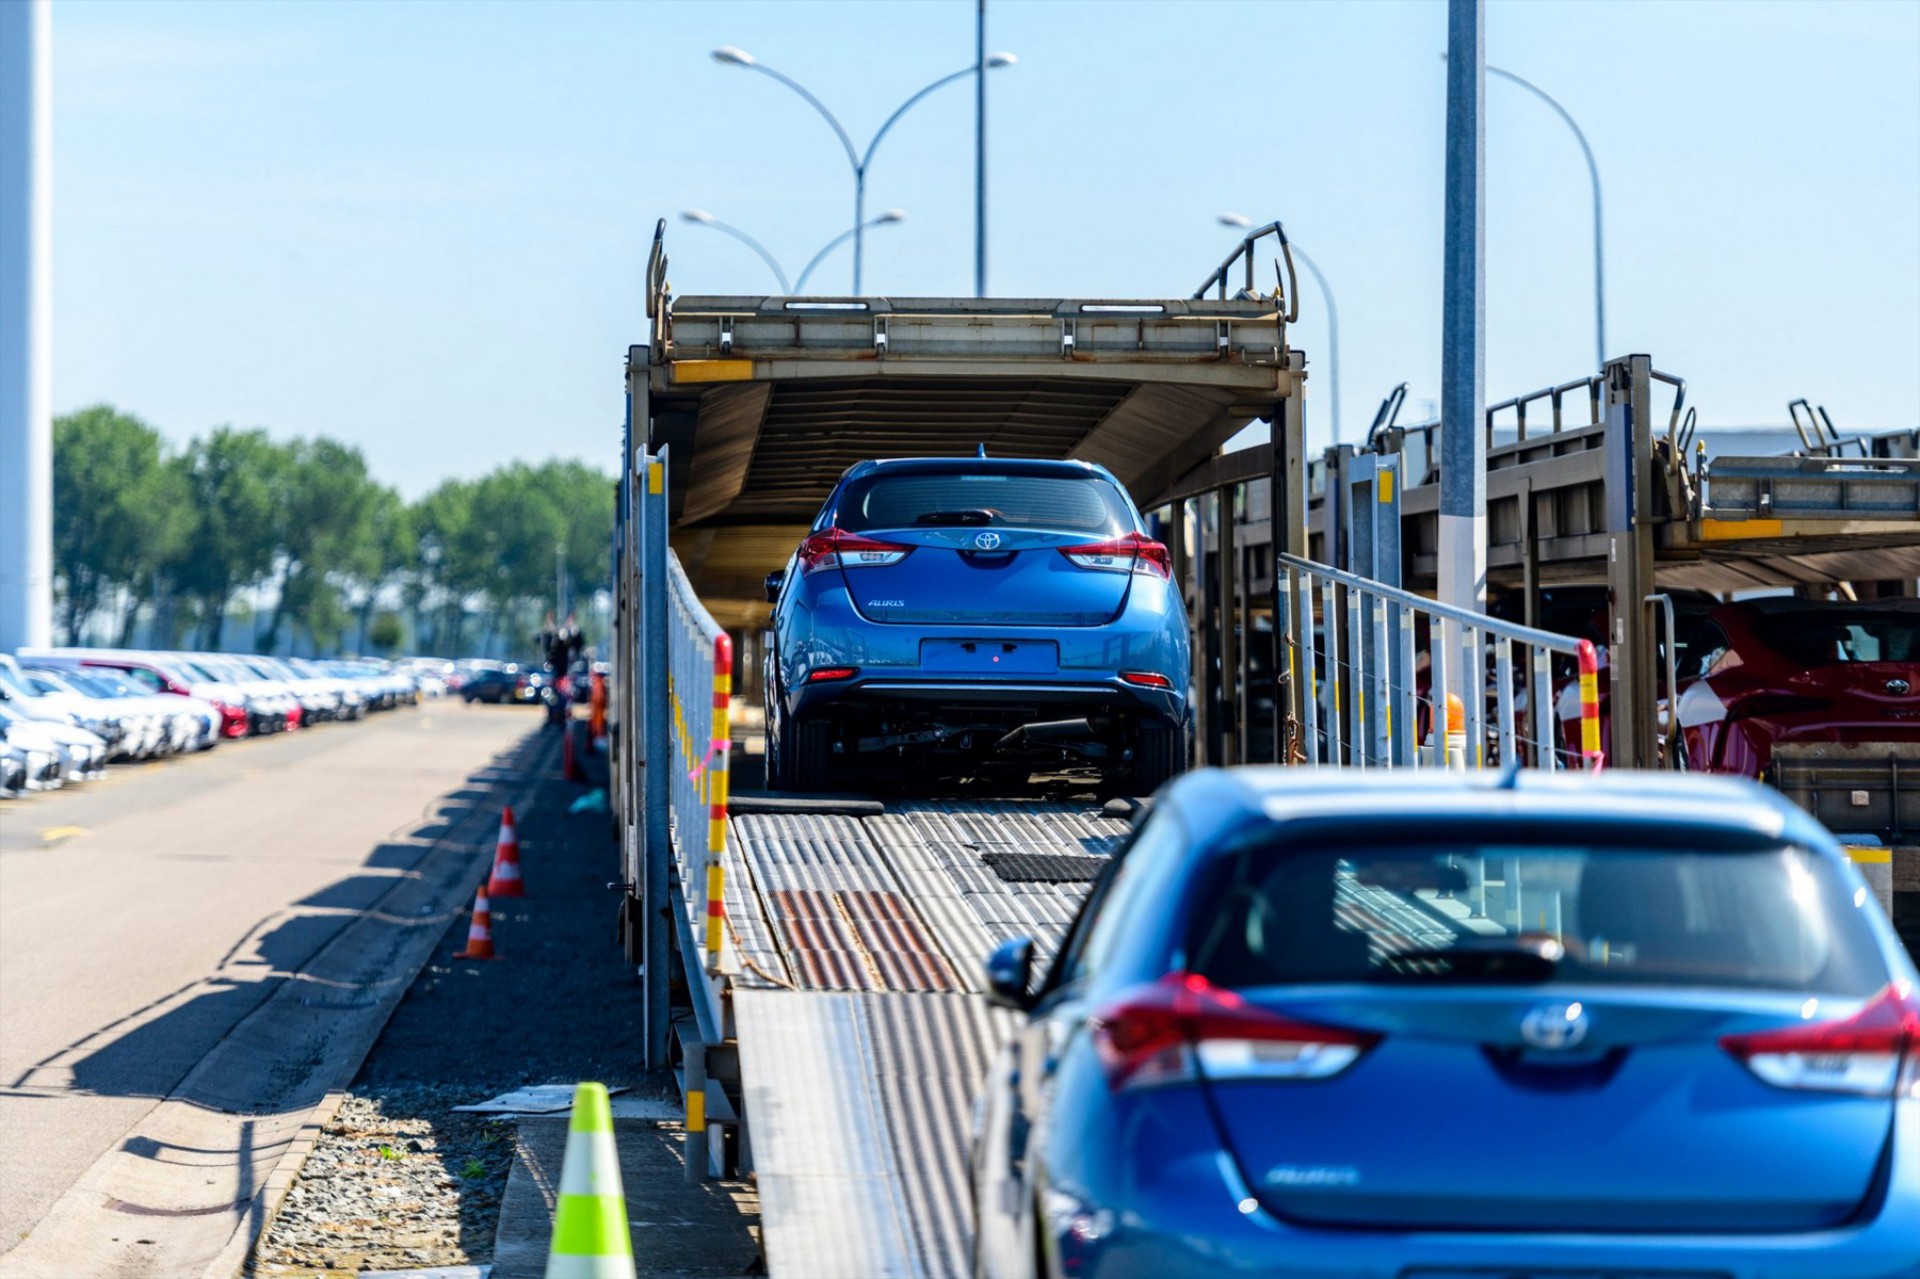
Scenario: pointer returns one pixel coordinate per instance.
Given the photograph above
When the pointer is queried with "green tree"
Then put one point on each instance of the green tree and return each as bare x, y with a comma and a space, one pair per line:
325, 505
384, 558
234, 481
491, 544
120, 512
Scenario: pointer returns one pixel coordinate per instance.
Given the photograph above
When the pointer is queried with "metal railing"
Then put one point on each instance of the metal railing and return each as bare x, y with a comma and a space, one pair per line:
1387, 678
699, 689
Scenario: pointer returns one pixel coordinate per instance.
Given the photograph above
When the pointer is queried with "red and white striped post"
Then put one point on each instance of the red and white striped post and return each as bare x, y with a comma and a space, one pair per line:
719, 749
1591, 757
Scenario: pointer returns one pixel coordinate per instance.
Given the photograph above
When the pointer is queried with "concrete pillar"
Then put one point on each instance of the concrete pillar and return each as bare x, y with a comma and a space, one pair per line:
26, 323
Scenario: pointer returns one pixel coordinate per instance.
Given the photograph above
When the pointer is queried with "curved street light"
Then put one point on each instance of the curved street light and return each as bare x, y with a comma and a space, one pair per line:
700, 217
1593, 176
1242, 222
729, 55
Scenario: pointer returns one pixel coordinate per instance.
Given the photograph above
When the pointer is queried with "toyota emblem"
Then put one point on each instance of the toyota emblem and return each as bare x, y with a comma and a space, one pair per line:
1555, 1026
1899, 687
986, 541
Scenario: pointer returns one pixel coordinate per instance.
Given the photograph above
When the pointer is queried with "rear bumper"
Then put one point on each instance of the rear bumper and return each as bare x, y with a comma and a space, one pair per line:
1052, 696
1204, 1231
1081, 677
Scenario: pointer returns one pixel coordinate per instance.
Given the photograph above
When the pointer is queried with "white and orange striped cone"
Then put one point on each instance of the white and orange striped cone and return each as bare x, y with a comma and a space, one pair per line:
590, 1239
480, 931
505, 880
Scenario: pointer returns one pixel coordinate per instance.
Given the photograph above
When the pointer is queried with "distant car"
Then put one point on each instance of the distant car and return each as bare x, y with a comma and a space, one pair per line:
961, 616
82, 755
187, 723
156, 673
14, 767
506, 685
1387, 1023
1787, 672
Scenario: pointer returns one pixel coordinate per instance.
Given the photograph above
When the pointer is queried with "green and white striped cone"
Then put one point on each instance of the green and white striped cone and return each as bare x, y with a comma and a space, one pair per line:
590, 1239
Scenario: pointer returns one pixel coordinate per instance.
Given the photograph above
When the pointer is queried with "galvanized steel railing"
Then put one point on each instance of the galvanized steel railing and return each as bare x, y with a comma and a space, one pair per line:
1371, 662
699, 688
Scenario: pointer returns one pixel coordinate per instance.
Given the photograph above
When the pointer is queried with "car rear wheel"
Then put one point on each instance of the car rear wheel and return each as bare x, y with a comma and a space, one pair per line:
806, 753
1156, 757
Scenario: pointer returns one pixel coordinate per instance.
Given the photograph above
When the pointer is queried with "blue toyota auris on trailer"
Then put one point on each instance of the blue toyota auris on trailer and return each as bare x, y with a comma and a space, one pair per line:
968, 617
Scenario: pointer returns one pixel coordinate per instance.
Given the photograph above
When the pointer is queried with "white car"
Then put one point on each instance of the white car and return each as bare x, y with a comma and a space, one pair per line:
83, 755
179, 724
129, 734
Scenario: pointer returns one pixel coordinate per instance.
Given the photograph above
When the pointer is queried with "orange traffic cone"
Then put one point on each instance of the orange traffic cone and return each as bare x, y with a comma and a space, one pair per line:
505, 880
480, 932
570, 762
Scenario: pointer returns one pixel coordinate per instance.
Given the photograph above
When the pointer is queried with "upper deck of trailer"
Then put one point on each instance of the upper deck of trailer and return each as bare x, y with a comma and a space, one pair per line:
763, 401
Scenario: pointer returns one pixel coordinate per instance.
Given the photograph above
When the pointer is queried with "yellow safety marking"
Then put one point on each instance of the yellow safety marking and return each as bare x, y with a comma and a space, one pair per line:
713, 370
656, 478
1733, 530
1386, 486
1869, 855
60, 834
716, 892
697, 1111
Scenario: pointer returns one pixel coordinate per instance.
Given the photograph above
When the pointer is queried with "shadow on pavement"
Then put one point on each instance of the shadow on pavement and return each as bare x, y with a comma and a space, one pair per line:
153, 1051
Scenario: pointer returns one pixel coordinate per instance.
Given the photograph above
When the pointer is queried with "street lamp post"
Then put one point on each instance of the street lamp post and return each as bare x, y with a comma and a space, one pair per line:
1242, 221
700, 217
1593, 176
728, 55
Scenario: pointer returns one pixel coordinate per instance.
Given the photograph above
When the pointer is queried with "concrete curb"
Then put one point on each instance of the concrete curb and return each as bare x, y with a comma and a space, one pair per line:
273, 1192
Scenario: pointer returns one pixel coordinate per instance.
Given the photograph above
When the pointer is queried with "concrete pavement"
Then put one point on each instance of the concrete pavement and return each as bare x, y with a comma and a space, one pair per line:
146, 920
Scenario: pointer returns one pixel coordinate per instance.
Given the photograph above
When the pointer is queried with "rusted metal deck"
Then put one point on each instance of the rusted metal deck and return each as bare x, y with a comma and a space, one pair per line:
858, 942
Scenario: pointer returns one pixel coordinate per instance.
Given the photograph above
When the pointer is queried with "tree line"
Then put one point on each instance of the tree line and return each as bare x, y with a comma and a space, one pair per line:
175, 537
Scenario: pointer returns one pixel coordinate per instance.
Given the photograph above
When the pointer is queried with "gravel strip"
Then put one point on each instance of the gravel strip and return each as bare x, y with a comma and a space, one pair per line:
397, 1180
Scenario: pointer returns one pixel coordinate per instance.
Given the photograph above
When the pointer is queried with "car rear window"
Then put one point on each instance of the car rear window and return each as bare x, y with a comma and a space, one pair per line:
1055, 503
1782, 918
1829, 639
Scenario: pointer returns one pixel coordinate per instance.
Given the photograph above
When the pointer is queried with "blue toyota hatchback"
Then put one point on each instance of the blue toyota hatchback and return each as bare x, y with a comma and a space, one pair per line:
1323, 1023
966, 617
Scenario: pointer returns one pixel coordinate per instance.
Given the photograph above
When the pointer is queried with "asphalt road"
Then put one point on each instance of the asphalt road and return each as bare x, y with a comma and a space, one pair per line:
143, 918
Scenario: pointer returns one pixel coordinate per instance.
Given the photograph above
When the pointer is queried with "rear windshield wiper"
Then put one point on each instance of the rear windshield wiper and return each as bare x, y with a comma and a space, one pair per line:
955, 517
1496, 960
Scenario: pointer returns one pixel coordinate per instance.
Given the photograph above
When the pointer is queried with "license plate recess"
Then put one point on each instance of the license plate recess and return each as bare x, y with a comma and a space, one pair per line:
990, 657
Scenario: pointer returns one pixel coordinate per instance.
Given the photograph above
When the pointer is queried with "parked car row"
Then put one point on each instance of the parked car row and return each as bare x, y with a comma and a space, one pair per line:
66, 713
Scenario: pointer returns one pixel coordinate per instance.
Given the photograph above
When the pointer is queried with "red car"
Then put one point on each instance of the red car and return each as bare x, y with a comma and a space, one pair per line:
1777, 672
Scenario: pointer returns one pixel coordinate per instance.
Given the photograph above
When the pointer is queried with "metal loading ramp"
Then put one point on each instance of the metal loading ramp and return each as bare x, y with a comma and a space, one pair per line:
861, 1030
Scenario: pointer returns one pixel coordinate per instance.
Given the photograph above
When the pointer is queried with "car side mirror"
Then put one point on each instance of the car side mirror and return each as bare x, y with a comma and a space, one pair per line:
774, 581
1009, 973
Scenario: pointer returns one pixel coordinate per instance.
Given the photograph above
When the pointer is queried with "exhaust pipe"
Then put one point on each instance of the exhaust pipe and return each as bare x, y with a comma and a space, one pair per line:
1053, 730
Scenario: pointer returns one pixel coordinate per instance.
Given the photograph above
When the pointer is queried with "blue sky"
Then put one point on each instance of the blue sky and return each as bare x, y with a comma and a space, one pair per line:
420, 227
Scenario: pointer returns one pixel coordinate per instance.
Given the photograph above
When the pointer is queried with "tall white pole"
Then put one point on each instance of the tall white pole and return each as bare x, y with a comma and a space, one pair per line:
26, 323
1463, 457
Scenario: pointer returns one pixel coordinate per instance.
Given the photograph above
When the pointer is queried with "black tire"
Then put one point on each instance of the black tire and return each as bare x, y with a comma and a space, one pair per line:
1157, 757
775, 757
808, 761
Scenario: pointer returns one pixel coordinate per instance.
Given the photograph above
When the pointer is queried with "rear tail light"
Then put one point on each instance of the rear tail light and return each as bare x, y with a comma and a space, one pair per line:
837, 548
1875, 1052
1183, 1028
829, 673
1146, 679
1133, 553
